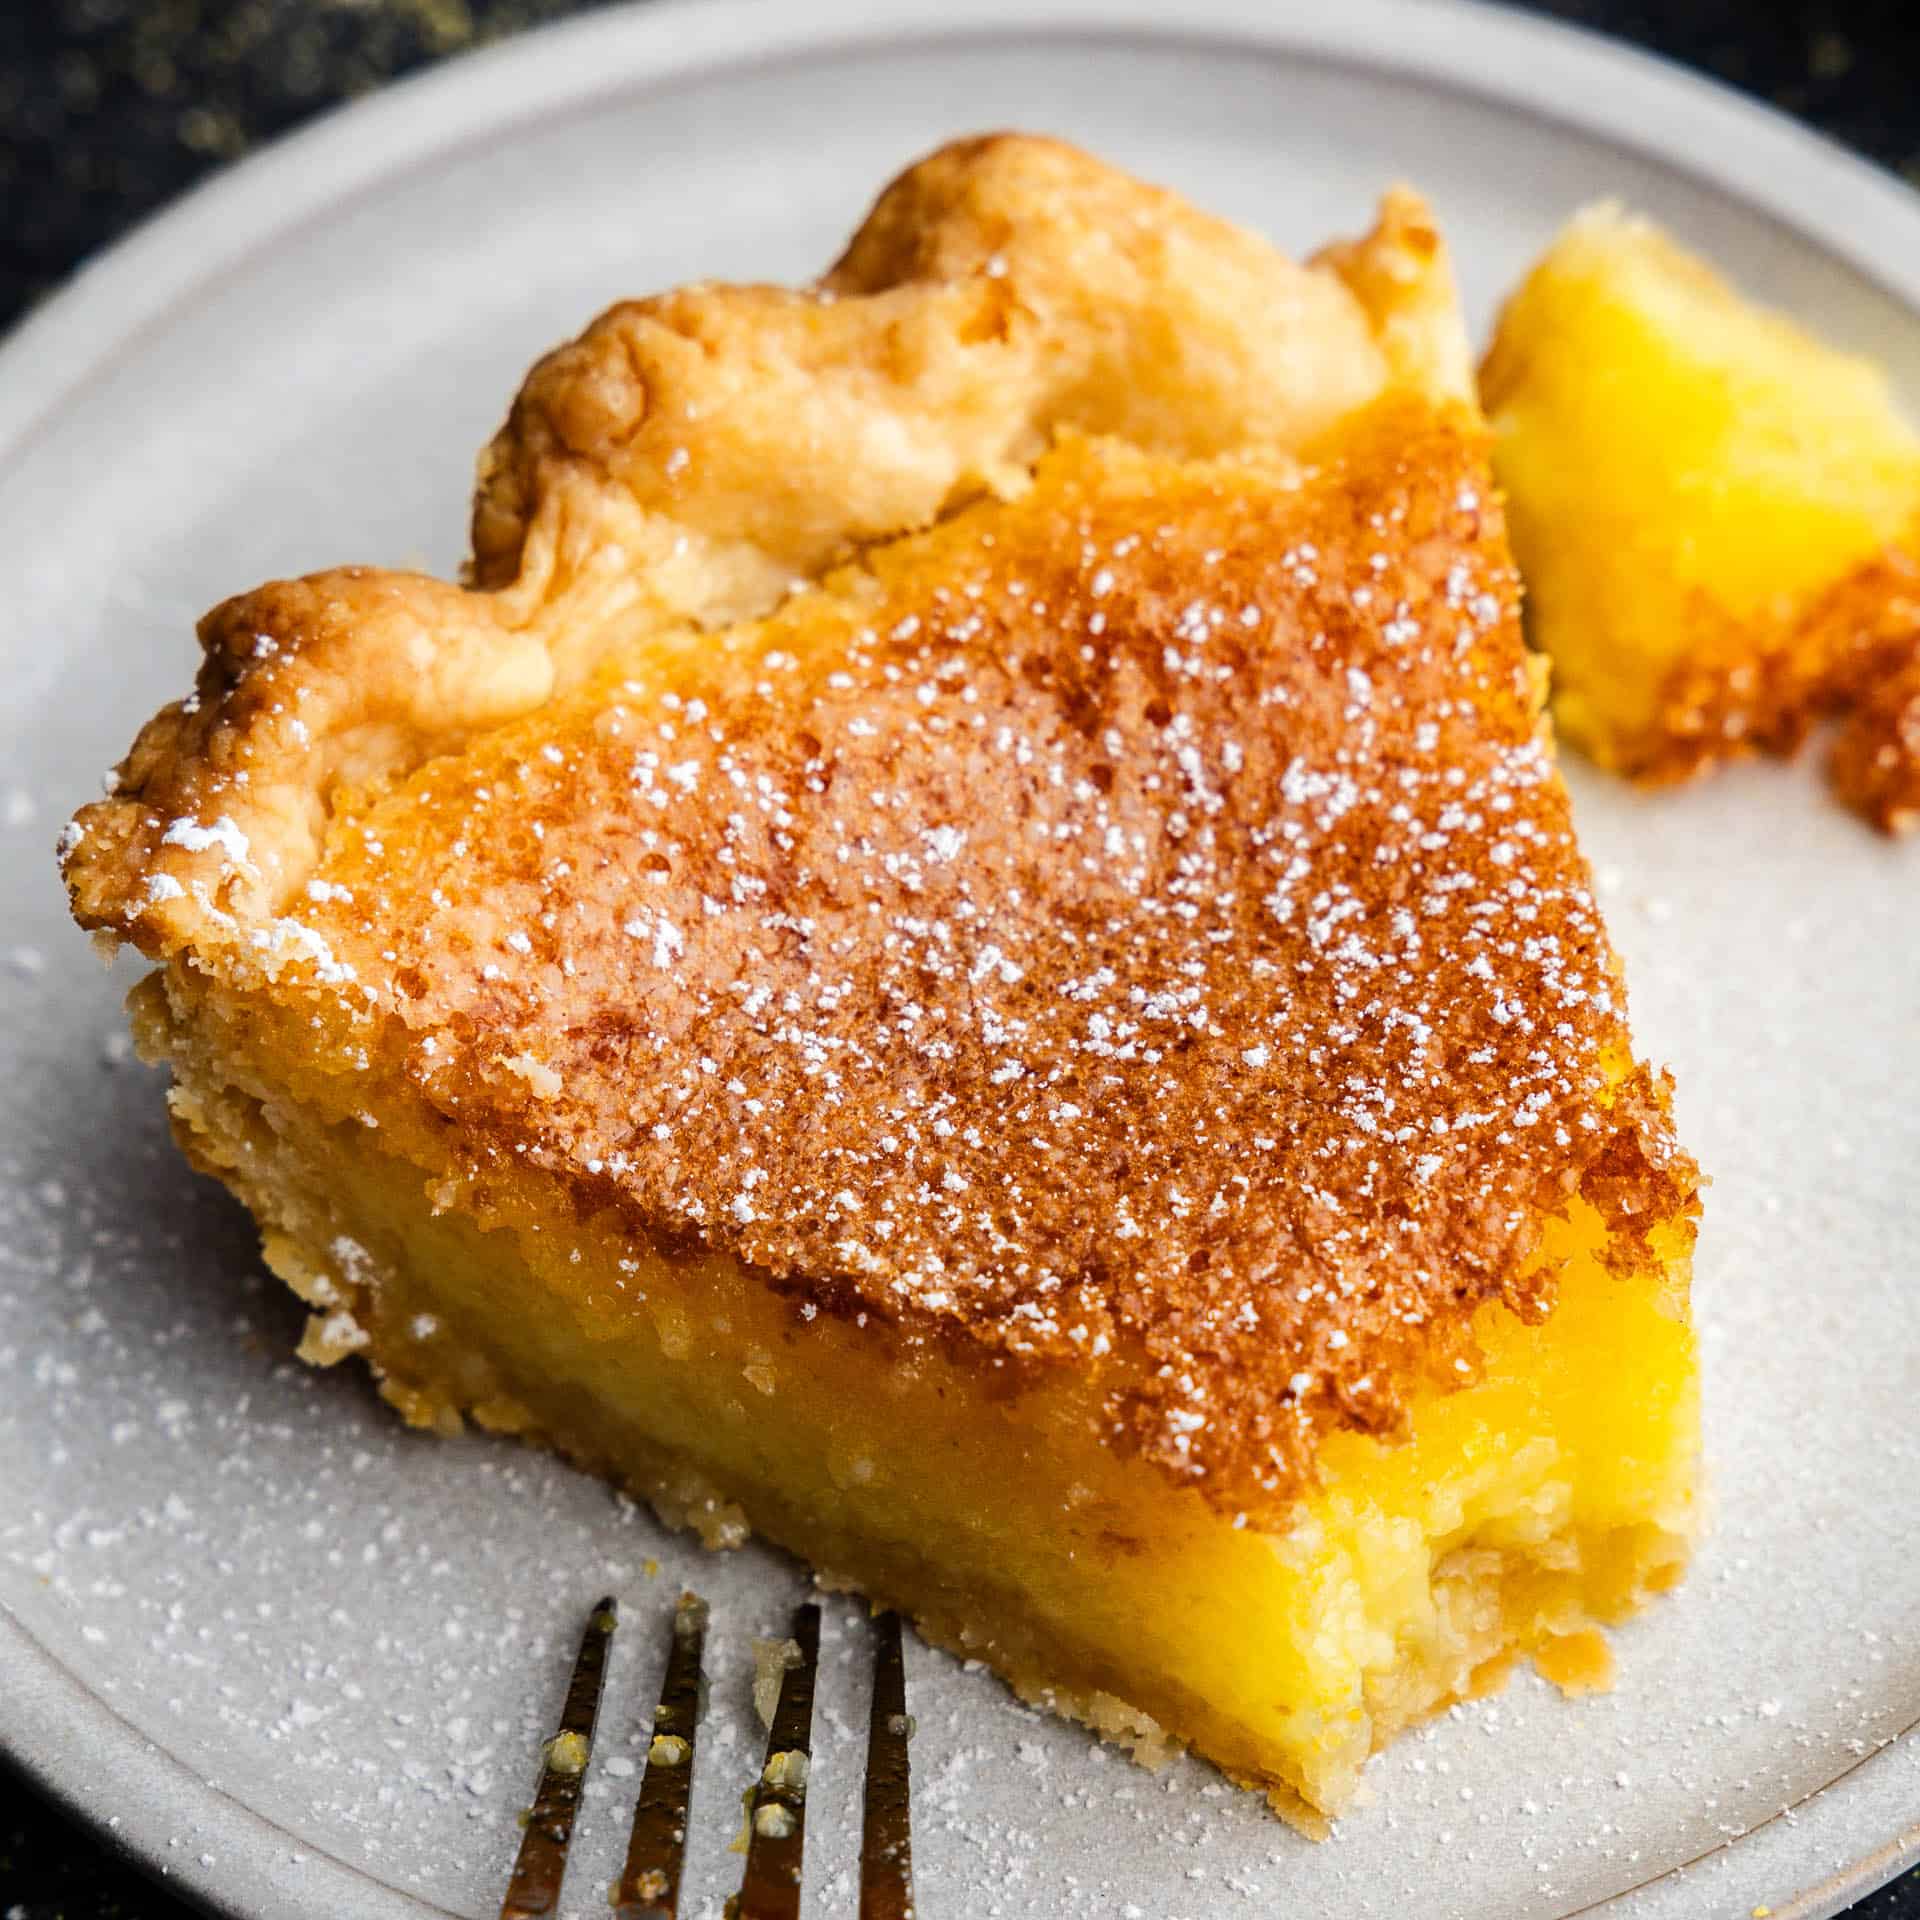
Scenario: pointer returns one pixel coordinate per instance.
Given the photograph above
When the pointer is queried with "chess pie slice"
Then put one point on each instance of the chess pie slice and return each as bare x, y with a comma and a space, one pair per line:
965, 952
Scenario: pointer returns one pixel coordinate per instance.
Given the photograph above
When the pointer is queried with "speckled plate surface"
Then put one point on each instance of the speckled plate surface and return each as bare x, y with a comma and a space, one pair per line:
299, 1658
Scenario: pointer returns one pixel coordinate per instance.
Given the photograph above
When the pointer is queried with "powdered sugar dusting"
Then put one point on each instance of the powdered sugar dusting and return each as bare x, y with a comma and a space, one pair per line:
1225, 990
222, 833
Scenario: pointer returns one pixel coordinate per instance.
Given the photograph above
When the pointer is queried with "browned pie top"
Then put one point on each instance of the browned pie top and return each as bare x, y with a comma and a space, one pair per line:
1132, 925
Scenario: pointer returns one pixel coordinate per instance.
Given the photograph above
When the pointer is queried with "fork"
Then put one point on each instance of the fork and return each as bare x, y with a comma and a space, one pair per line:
649, 1883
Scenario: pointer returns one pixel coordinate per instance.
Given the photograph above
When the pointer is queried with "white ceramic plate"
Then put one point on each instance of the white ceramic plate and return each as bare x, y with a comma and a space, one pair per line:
299, 1658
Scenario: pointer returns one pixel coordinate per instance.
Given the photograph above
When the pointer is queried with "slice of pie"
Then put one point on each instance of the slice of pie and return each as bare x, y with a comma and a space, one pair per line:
966, 952
1718, 517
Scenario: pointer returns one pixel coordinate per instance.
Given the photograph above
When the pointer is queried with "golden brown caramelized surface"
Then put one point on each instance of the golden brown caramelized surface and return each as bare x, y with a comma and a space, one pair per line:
1130, 925
1851, 657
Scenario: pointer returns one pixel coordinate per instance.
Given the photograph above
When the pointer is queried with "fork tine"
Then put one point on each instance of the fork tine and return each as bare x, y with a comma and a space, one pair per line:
649, 1886
886, 1840
534, 1891
777, 1806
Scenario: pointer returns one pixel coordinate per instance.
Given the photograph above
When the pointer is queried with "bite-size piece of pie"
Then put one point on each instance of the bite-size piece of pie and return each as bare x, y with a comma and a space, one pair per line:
1717, 517
966, 952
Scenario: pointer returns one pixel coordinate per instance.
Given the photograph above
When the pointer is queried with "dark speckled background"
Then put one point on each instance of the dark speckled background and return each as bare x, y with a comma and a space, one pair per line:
109, 108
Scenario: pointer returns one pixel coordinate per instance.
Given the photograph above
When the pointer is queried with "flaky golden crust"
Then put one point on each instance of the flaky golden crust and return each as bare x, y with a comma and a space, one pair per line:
692, 457
1003, 289
306, 686
1130, 925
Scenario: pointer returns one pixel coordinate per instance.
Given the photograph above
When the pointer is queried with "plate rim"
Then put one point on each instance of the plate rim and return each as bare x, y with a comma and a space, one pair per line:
68, 1740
